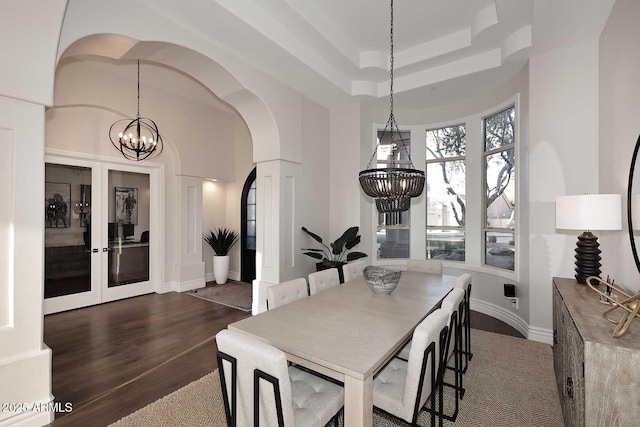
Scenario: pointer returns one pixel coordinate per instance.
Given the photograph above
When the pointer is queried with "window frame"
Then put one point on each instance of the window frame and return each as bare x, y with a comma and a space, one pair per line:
376, 224
485, 154
428, 162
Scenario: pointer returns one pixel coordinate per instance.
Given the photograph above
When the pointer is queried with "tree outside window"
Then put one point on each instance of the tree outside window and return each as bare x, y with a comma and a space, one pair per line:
500, 195
446, 188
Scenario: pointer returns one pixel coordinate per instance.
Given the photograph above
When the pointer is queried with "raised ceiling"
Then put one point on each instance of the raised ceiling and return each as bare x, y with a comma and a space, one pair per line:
445, 50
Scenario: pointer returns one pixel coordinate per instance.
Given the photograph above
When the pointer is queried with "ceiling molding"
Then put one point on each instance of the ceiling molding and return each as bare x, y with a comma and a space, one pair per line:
487, 17
332, 50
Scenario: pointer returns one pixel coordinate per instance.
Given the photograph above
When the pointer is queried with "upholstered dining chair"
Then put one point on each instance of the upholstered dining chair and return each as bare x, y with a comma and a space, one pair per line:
353, 270
324, 279
453, 305
260, 390
432, 266
464, 282
402, 387
286, 292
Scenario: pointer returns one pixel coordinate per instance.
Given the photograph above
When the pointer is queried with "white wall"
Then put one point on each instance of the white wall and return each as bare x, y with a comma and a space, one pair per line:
344, 167
563, 159
214, 215
619, 90
313, 208
26, 86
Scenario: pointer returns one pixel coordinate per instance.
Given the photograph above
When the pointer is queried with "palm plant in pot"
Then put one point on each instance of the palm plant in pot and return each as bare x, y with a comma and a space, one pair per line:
221, 241
337, 253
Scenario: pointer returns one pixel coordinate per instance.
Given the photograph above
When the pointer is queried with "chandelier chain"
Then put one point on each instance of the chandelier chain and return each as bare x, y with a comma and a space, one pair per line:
392, 186
391, 125
138, 114
391, 64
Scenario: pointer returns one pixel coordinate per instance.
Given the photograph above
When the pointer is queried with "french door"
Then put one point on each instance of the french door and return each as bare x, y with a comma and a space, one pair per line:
100, 226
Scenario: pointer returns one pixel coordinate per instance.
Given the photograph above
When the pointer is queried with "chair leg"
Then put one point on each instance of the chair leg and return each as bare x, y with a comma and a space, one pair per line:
468, 325
437, 381
465, 343
336, 418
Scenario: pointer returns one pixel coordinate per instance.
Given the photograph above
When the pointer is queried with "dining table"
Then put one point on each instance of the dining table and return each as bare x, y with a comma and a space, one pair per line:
349, 333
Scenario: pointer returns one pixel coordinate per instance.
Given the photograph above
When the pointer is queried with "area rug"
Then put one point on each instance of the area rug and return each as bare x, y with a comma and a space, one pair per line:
232, 294
509, 383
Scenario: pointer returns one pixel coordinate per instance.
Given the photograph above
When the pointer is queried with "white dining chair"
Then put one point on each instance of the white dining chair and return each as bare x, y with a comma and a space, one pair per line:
453, 305
324, 279
402, 387
464, 282
353, 270
286, 292
260, 390
431, 266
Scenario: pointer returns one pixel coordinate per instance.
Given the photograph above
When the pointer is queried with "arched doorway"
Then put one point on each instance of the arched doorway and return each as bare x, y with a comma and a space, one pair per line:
248, 229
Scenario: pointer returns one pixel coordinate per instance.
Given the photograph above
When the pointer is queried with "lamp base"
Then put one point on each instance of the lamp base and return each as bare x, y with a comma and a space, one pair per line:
587, 257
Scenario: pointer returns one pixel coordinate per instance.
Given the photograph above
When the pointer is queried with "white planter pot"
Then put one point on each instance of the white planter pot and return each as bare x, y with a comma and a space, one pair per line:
221, 268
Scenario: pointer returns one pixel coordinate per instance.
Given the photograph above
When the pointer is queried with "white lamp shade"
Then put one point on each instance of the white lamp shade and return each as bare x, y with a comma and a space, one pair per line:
589, 212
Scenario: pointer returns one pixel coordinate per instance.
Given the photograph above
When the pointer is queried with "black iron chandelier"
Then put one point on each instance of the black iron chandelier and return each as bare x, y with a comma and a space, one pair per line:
137, 139
393, 186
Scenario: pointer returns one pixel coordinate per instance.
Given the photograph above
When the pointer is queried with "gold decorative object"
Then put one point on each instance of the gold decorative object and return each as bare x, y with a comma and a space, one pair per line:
630, 305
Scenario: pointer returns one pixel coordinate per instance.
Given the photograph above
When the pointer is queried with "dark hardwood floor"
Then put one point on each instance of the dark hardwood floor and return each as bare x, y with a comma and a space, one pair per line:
487, 323
113, 359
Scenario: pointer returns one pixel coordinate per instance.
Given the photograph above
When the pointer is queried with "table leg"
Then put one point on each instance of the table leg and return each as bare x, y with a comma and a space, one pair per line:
358, 402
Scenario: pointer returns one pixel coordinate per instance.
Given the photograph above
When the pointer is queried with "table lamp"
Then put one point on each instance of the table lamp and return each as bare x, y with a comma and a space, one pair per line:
588, 212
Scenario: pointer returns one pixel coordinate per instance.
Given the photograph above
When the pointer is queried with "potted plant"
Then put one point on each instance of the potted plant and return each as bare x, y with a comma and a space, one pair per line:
338, 253
221, 241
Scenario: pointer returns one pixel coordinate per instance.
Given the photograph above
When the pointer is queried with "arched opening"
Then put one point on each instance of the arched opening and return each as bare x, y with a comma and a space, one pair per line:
248, 229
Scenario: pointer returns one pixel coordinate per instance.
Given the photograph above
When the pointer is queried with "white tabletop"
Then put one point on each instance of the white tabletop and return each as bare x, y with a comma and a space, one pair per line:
347, 331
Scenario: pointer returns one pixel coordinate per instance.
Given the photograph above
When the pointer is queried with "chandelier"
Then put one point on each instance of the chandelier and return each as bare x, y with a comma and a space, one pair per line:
392, 187
137, 139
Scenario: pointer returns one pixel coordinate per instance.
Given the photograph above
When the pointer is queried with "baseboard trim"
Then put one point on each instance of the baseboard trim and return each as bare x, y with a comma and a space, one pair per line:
31, 419
191, 285
168, 287
233, 275
540, 335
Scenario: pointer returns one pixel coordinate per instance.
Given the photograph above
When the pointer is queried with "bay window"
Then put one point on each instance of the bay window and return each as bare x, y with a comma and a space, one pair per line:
467, 214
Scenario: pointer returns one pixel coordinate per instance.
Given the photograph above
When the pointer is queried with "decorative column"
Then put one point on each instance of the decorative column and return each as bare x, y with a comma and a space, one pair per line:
189, 270
276, 227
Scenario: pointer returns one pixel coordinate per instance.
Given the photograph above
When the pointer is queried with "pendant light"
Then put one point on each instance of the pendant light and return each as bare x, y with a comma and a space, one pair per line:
137, 139
393, 186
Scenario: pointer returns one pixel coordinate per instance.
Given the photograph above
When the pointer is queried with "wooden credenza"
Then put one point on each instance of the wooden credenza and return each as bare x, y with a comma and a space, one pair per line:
598, 375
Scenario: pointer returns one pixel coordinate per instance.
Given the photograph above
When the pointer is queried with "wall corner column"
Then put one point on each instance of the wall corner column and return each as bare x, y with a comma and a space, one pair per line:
189, 270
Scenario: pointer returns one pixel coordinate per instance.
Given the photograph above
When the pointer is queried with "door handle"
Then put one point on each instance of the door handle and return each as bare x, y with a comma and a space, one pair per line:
106, 249
91, 250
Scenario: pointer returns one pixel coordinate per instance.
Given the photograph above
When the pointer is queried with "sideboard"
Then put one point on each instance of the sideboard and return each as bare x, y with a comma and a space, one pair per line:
598, 375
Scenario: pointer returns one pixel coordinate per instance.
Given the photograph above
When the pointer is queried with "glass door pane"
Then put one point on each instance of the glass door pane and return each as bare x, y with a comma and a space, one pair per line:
128, 228
67, 218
